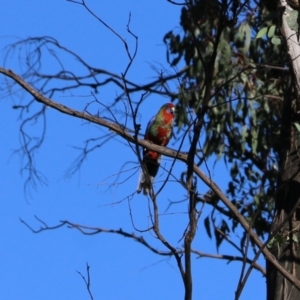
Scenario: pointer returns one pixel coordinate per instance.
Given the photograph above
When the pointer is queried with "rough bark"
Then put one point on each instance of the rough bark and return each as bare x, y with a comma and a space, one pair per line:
286, 223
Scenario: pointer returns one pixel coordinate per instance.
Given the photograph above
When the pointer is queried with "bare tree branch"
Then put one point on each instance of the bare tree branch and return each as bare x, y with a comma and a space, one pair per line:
231, 258
87, 280
89, 230
123, 132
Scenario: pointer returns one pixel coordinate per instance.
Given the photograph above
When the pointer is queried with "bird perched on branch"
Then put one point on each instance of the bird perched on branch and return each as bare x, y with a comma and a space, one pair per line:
159, 132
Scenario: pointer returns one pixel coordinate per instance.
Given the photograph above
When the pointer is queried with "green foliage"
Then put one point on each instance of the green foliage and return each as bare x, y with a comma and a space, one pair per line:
242, 122
270, 32
221, 232
276, 40
292, 20
297, 126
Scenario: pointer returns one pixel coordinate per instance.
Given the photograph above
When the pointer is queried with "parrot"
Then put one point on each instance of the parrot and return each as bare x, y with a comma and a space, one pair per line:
159, 131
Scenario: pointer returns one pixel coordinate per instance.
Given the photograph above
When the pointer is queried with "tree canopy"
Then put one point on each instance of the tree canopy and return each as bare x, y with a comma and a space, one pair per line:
229, 74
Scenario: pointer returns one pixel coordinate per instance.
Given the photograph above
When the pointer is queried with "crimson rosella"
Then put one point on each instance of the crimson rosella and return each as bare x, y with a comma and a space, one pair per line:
158, 131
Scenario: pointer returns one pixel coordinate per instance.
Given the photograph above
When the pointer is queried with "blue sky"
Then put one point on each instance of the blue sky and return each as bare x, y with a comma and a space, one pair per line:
43, 266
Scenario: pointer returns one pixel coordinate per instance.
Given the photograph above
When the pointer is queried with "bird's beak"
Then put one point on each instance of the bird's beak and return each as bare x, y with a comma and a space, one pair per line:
173, 111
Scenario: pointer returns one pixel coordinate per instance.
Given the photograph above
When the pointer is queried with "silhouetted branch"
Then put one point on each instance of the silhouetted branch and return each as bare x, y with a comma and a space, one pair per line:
123, 132
87, 280
89, 230
93, 76
231, 258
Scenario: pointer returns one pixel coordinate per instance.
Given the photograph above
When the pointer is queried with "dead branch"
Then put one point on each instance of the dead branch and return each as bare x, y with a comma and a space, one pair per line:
123, 132
87, 280
89, 230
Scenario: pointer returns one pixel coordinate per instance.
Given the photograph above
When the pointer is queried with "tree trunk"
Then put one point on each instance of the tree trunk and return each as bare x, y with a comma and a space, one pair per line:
285, 245
286, 223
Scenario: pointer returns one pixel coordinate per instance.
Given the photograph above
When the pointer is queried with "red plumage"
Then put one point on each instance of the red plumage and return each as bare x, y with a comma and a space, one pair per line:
159, 132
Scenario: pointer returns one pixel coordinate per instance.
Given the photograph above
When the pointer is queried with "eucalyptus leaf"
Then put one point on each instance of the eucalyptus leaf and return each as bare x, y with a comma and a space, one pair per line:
292, 20
207, 226
262, 32
276, 40
271, 31
297, 125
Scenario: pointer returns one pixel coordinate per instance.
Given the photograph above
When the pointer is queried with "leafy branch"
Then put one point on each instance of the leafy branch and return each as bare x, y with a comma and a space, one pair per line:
124, 133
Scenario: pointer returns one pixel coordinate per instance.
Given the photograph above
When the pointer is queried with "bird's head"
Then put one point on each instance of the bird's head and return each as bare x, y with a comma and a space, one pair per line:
168, 108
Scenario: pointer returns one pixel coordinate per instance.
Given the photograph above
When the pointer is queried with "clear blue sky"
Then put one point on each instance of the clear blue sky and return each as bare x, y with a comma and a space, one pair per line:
43, 266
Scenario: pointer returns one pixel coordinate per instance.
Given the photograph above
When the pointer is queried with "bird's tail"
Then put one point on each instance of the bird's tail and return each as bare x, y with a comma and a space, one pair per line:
146, 180
144, 184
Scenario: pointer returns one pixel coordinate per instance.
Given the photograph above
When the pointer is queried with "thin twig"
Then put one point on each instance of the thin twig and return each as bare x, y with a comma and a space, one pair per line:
87, 281
165, 151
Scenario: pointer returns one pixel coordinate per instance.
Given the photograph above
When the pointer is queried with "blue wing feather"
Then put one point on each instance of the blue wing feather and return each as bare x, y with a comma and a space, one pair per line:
150, 123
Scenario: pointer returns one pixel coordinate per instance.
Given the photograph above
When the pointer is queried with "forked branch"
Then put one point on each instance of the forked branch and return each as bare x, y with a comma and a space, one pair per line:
124, 133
